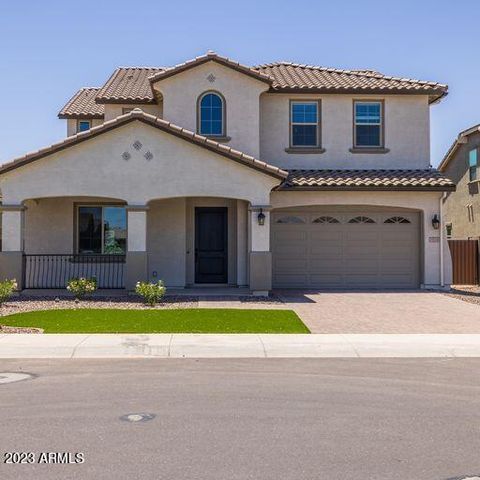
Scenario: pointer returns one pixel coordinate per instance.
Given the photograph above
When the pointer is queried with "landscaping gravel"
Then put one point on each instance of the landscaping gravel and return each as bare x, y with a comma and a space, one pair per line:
470, 294
23, 304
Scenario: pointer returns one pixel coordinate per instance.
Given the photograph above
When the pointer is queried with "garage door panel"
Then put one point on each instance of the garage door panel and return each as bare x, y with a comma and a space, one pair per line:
355, 255
400, 281
291, 265
290, 280
329, 264
326, 280
359, 266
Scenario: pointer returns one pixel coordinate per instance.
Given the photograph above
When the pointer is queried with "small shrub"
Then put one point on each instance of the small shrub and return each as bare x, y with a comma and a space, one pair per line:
81, 286
7, 287
151, 293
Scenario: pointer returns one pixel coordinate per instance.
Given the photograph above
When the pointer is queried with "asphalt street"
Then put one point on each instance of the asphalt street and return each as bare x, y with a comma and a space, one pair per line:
261, 419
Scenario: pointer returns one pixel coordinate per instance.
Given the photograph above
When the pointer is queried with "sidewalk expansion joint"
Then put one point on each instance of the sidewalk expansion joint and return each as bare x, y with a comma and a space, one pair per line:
352, 346
74, 351
263, 346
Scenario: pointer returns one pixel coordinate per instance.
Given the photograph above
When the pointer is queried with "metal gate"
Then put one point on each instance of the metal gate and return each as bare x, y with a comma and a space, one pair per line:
465, 260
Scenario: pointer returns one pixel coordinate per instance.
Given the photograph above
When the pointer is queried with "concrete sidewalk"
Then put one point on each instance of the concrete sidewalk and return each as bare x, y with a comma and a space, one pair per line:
238, 346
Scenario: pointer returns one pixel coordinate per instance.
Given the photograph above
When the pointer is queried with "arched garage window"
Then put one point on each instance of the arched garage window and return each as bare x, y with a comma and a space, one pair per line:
211, 114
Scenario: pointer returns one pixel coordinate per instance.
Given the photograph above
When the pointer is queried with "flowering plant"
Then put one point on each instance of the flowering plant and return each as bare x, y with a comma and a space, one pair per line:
151, 293
81, 286
7, 287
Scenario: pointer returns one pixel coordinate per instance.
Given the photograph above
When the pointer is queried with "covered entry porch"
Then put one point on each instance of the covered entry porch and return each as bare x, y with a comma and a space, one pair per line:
157, 175
188, 242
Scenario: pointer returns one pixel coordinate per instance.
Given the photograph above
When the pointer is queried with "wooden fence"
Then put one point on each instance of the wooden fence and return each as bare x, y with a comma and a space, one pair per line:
465, 259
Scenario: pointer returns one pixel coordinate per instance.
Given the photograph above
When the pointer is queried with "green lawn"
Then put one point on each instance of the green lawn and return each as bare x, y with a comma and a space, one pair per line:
194, 320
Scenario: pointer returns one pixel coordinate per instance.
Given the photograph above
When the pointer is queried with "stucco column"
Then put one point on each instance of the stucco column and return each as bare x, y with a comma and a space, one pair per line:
11, 257
260, 256
136, 261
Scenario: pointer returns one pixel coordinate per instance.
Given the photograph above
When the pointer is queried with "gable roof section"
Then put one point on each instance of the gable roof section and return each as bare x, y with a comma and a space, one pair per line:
83, 105
388, 180
293, 77
210, 57
156, 122
128, 85
461, 139
133, 85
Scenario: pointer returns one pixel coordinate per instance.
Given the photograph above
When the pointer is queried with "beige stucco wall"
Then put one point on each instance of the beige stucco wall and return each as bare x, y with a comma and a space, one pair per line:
114, 110
241, 92
95, 167
72, 125
462, 207
49, 223
428, 203
166, 241
407, 133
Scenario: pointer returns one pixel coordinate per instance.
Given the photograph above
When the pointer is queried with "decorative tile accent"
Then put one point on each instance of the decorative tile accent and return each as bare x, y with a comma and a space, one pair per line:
126, 156
137, 145
211, 78
148, 155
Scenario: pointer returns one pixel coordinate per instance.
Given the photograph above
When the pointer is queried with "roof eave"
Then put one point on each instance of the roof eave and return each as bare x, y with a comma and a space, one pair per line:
435, 94
294, 188
89, 116
134, 101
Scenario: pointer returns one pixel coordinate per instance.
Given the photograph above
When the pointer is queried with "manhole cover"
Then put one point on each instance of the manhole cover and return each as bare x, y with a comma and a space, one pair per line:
10, 377
137, 417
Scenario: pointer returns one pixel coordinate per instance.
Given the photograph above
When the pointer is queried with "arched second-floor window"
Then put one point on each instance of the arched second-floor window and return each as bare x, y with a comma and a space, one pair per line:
211, 114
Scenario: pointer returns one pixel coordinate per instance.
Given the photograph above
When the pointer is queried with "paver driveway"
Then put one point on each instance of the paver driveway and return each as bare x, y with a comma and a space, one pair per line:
382, 312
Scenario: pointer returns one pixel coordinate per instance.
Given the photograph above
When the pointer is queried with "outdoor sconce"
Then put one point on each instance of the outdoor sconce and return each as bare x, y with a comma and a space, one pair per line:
261, 217
435, 222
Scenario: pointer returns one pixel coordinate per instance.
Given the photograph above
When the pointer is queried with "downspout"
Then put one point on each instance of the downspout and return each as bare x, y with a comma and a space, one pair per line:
442, 273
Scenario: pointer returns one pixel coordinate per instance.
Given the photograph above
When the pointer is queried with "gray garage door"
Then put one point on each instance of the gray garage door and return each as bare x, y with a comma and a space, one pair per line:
345, 249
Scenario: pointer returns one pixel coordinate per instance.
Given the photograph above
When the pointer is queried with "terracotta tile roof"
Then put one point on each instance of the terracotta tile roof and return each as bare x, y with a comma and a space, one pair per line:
366, 180
289, 77
82, 105
461, 138
211, 57
128, 85
133, 84
156, 122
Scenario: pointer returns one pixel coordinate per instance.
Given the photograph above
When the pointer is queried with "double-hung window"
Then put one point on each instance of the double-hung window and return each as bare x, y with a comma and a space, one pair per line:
368, 124
473, 164
83, 125
305, 124
102, 229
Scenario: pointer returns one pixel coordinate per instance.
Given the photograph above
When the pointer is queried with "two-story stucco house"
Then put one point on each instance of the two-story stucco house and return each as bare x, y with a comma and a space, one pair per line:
216, 173
461, 163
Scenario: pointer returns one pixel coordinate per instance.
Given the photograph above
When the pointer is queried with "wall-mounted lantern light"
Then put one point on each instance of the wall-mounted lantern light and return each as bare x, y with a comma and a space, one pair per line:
435, 222
261, 217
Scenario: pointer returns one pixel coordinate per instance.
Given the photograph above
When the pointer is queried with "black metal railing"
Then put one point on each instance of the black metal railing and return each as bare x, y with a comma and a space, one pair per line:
55, 270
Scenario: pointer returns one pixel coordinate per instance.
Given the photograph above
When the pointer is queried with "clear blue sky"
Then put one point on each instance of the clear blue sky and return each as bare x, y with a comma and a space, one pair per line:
50, 48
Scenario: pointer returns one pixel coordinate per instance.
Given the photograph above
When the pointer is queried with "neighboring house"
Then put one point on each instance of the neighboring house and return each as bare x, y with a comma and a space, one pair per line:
462, 164
216, 173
